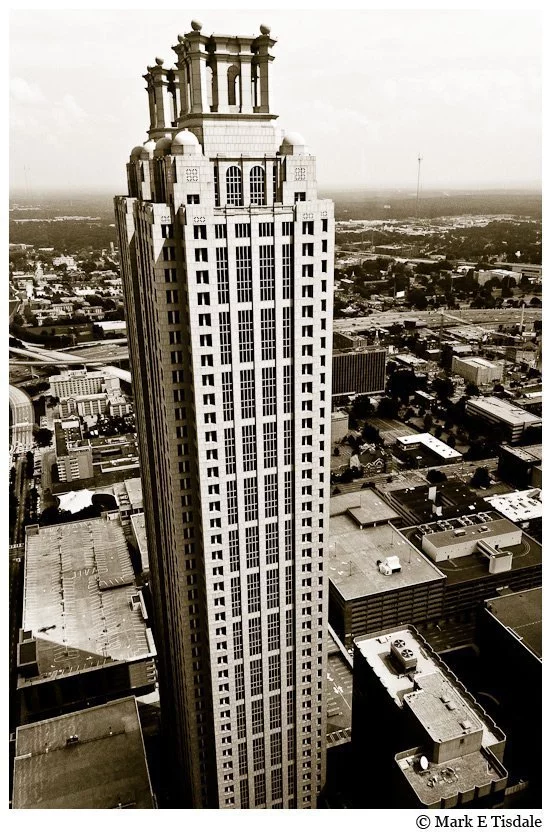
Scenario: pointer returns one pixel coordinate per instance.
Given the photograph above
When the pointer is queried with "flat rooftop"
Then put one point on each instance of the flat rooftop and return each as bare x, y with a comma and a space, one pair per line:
475, 567
477, 361
137, 522
78, 591
433, 678
443, 781
518, 506
372, 509
459, 533
503, 410
521, 613
353, 554
105, 768
432, 443
528, 453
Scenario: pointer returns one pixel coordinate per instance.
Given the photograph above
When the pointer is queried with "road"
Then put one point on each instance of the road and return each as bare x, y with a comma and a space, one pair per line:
433, 318
22, 421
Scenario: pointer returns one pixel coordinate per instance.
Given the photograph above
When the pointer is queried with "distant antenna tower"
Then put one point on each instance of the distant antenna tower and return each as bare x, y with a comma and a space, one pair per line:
419, 160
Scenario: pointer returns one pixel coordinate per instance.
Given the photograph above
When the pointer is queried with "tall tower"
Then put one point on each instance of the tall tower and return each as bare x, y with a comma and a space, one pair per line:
227, 263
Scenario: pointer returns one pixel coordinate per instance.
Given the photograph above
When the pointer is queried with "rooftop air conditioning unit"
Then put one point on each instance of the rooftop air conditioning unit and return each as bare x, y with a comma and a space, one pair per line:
403, 656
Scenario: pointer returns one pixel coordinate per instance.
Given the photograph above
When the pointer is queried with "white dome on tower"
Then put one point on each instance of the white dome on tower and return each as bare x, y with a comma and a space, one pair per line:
136, 152
293, 143
148, 149
162, 147
185, 142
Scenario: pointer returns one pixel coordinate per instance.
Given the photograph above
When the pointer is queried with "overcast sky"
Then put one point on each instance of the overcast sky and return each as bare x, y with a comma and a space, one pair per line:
368, 90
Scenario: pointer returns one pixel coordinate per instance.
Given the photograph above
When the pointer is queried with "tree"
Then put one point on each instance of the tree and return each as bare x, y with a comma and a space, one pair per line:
443, 387
428, 421
43, 437
435, 476
452, 442
471, 389
438, 431
481, 478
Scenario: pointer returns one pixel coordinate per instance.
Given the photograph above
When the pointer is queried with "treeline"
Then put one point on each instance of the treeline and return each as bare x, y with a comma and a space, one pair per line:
68, 236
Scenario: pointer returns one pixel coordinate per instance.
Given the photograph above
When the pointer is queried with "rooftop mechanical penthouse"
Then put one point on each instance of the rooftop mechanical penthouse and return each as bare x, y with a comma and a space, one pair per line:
227, 263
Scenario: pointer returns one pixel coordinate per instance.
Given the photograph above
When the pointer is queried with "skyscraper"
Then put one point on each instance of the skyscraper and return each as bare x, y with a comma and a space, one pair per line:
227, 263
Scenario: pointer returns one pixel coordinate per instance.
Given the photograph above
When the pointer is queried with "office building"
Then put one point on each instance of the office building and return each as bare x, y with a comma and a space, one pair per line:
91, 759
420, 739
512, 419
423, 450
73, 453
478, 370
227, 264
521, 467
376, 577
81, 383
360, 372
85, 636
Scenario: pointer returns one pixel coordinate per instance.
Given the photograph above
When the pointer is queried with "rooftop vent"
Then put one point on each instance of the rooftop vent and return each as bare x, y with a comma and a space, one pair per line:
404, 657
72, 740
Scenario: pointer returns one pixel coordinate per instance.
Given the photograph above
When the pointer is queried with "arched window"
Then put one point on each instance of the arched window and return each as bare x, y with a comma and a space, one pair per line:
234, 93
234, 186
258, 187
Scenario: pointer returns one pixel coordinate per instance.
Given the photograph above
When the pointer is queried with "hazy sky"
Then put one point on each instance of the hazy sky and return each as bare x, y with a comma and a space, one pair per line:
367, 89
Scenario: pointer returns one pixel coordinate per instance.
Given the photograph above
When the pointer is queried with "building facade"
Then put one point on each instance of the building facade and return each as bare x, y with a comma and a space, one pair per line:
227, 263
359, 372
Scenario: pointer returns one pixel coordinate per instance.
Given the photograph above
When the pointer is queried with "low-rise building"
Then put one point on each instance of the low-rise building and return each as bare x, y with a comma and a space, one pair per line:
85, 637
513, 419
517, 465
376, 577
90, 759
524, 508
435, 745
483, 276
434, 451
478, 370
339, 425
73, 454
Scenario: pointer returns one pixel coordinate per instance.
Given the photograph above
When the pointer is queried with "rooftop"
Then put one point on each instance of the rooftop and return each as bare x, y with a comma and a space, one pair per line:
473, 567
90, 759
476, 361
79, 598
503, 410
369, 507
353, 554
529, 453
428, 688
521, 613
518, 506
469, 527
443, 781
432, 443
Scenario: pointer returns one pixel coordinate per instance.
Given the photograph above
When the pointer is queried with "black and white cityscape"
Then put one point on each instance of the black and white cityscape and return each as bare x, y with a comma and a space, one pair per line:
275, 416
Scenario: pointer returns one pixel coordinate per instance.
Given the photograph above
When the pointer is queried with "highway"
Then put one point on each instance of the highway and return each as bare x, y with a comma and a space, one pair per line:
22, 421
433, 318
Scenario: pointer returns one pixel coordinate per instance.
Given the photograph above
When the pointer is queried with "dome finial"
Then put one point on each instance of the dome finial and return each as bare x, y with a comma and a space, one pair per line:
264, 30
159, 61
196, 25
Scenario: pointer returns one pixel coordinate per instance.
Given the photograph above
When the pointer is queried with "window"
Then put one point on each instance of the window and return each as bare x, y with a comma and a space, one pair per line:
267, 333
171, 276
287, 442
234, 550
270, 445
268, 391
199, 232
222, 274
275, 756
192, 199
287, 320
287, 390
246, 339
272, 547
202, 277
255, 647
251, 501
274, 672
256, 670
231, 496
266, 229
167, 231
235, 597
300, 196
287, 252
229, 450
308, 227
257, 185
272, 588
324, 225
287, 228
243, 229
201, 255
251, 547
171, 296
234, 186
249, 447
308, 270
267, 272
244, 274
169, 253
225, 338
247, 394
259, 789
270, 495
220, 231
273, 644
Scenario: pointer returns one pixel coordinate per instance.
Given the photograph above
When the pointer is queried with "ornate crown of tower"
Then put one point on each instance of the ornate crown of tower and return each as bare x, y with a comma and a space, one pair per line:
215, 76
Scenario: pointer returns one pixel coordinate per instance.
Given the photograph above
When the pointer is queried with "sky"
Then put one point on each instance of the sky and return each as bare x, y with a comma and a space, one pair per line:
370, 91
